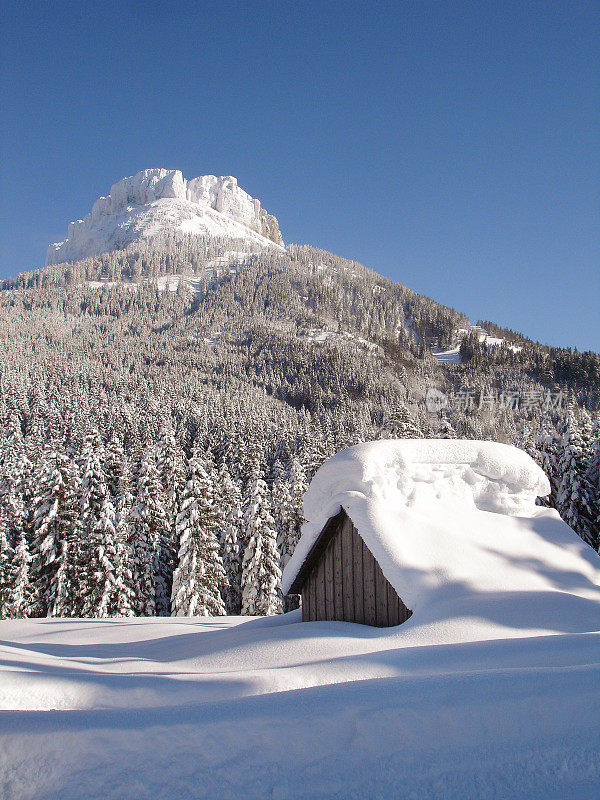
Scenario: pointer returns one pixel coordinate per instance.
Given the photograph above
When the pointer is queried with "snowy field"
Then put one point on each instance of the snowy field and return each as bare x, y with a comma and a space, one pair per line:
276, 708
490, 690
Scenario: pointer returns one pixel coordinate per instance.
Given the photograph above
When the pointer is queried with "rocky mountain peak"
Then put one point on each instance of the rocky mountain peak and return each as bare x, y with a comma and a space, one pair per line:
160, 200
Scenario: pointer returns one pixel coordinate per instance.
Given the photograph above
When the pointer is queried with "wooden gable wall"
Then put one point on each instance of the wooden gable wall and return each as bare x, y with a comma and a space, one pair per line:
346, 583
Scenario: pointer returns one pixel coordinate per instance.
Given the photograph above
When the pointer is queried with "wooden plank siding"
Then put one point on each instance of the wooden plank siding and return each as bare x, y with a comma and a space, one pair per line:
357, 588
381, 597
369, 586
321, 590
345, 582
338, 576
347, 569
328, 565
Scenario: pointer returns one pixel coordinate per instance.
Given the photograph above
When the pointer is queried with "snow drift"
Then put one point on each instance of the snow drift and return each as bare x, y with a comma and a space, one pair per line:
159, 200
450, 521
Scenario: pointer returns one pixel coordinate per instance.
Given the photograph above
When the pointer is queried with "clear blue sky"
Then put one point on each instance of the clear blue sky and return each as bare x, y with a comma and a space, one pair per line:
452, 146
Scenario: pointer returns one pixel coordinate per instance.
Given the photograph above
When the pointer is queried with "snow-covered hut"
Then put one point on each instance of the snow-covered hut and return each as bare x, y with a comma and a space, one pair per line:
341, 579
400, 525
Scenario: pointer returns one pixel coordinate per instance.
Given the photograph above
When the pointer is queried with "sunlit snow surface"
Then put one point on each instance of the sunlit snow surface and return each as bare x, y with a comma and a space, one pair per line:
490, 690
276, 708
451, 356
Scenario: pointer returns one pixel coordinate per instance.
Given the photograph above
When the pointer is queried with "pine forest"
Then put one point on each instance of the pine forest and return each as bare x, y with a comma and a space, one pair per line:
164, 407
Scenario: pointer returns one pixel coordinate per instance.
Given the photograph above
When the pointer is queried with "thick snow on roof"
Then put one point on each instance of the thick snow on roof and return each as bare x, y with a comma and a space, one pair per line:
449, 521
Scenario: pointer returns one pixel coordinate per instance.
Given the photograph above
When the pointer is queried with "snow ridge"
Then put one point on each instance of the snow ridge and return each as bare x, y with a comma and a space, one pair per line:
157, 200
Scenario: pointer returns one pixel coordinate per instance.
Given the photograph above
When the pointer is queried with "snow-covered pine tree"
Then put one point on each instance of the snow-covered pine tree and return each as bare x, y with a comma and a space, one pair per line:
56, 533
171, 469
99, 521
295, 518
546, 454
13, 516
104, 552
251, 461
593, 480
573, 490
15, 480
170, 463
401, 425
445, 430
118, 482
21, 590
317, 451
183, 591
199, 574
261, 573
291, 494
116, 471
589, 494
282, 503
6, 567
230, 514
148, 530
124, 590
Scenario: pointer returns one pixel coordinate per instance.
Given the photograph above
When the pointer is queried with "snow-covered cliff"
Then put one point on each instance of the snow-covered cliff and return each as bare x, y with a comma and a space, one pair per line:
160, 200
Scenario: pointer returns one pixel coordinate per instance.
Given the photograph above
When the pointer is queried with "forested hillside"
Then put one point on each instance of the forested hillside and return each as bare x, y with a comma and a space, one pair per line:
164, 407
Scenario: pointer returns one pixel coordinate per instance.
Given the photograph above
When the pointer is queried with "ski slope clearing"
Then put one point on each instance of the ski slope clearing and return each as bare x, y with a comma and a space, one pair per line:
451, 356
490, 690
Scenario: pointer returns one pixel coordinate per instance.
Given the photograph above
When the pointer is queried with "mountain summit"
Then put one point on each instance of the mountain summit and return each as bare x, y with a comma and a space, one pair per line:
159, 201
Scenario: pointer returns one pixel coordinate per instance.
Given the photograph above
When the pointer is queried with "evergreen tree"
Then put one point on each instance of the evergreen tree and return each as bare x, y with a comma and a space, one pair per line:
118, 484
445, 430
230, 512
171, 469
56, 532
593, 481
282, 511
116, 473
15, 483
148, 526
199, 574
261, 574
124, 589
288, 497
547, 455
21, 590
6, 568
401, 425
574, 491
103, 565
99, 520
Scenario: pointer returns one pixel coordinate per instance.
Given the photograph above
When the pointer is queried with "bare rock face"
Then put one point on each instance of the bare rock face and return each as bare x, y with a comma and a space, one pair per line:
270, 227
159, 200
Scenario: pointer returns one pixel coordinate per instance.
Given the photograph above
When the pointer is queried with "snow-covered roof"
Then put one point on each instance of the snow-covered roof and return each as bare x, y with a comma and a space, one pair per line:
446, 519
